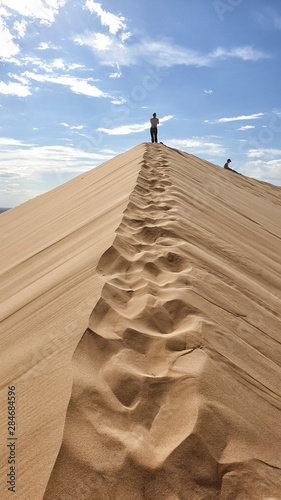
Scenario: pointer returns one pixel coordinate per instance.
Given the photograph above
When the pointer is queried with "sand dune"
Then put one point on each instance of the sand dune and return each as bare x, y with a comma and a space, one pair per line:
167, 290
50, 247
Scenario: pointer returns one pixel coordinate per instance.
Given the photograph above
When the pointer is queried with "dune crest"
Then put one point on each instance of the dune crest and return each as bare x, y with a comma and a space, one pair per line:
176, 391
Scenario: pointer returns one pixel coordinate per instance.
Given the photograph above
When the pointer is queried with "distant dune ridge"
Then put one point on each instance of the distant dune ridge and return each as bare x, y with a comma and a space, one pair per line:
155, 289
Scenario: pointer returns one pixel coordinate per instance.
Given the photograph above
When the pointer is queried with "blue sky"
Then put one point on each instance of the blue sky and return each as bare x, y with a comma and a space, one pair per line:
79, 81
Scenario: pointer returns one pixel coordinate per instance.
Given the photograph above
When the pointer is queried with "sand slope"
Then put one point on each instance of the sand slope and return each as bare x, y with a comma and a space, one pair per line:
50, 247
176, 391
168, 269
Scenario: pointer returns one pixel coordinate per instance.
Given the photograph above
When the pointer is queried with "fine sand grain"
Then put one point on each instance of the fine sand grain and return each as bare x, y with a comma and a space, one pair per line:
153, 284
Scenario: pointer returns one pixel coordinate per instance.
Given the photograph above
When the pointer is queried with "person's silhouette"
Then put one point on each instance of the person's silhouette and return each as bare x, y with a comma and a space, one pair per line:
226, 165
153, 129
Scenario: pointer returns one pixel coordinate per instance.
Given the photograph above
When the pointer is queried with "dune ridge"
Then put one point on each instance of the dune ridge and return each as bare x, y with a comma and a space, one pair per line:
176, 391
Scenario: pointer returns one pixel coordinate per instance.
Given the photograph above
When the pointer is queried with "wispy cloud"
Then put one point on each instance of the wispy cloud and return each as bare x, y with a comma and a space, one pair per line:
266, 153
42, 11
76, 85
117, 73
236, 118
246, 127
49, 66
197, 145
118, 101
129, 129
14, 88
73, 127
39, 9
247, 53
125, 129
161, 53
25, 161
20, 27
7, 141
113, 22
97, 41
47, 46
268, 171
24, 167
8, 48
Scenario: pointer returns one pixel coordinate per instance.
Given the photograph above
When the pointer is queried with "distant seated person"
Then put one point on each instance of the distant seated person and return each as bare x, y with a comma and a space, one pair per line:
153, 129
226, 165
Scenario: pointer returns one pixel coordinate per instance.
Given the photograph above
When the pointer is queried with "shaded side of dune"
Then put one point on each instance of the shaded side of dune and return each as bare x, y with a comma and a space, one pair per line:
176, 391
50, 248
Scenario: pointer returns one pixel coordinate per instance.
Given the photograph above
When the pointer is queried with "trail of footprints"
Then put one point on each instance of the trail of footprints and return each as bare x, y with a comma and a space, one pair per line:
143, 311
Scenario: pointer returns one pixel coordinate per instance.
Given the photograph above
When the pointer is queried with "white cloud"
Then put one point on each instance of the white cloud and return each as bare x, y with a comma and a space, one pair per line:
24, 167
160, 53
7, 47
21, 79
50, 66
114, 23
39, 9
117, 74
58, 64
77, 85
267, 171
197, 145
20, 27
97, 41
268, 153
246, 127
78, 127
118, 101
165, 118
124, 36
208, 91
13, 88
46, 46
4, 12
35, 61
129, 129
24, 161
125, 129
7, 141
236, 118
245, 53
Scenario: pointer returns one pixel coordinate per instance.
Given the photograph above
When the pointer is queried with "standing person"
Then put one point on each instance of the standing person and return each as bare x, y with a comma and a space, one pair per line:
153, 129
226, 165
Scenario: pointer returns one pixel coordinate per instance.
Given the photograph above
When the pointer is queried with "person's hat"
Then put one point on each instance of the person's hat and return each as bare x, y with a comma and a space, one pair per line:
229, 159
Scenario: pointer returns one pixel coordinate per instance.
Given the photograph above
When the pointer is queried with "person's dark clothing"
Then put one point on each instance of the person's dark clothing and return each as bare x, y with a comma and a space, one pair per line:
153, 133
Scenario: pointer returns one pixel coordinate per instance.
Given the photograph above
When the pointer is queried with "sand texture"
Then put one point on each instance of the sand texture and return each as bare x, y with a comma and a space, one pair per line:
50, 248
142, 333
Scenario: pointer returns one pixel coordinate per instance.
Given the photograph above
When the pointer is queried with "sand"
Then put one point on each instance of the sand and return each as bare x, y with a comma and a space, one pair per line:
141, 329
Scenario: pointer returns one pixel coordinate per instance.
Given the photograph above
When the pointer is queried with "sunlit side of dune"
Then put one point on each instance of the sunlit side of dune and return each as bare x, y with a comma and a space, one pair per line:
176, 391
